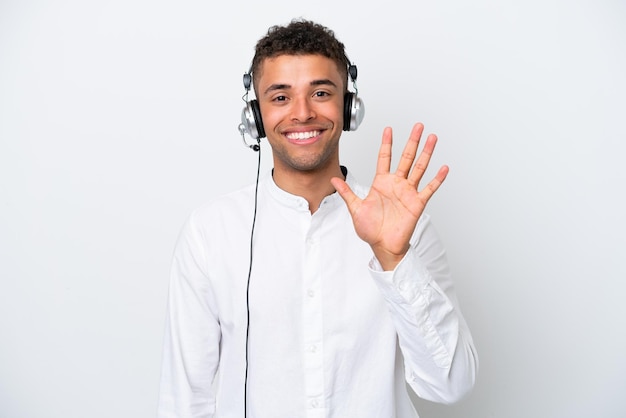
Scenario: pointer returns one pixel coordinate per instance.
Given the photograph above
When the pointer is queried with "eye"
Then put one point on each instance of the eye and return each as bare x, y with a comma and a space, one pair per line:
321, 94
279, 98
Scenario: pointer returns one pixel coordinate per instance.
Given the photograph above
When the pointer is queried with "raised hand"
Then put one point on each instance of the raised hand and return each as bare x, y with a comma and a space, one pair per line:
387, 217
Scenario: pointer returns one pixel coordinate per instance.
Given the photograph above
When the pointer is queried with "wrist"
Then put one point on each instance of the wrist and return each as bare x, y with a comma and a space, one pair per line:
389, 260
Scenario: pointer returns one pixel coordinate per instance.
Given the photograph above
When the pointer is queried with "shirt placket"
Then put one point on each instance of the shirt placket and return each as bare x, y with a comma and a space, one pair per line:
313, 326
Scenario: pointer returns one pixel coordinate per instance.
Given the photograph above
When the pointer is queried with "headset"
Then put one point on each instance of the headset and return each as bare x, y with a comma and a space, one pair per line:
252, 123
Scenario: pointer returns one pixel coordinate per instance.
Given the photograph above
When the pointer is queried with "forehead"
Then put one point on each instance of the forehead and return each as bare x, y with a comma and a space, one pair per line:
291, 69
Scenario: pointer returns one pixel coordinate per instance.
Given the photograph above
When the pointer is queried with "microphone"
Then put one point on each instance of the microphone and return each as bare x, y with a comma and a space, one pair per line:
242, 131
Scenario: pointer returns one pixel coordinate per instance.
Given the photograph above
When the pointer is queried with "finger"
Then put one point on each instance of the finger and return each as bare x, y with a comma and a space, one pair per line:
384, 153
434, 184
352, 201
410, 150
421, 164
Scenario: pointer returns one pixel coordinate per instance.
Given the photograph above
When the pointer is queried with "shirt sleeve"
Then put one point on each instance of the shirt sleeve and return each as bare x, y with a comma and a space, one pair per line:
439, 355
192, 333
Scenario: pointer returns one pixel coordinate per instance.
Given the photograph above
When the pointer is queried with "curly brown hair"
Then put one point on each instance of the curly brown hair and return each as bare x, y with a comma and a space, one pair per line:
300, 37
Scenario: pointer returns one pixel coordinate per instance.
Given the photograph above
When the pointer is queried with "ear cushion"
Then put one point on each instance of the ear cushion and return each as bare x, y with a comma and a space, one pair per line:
347, 111
256, 113
353, 111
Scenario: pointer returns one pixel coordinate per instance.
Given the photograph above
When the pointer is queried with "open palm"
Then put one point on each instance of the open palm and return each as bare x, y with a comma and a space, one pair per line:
387, 217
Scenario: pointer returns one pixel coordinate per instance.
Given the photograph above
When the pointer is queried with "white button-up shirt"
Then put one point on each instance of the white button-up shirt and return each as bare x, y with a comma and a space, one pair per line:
330, 333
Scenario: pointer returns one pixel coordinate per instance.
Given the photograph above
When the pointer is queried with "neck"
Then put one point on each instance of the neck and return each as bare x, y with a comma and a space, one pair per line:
312, 186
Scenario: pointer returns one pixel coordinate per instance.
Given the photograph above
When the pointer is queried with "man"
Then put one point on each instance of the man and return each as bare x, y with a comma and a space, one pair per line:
309, 295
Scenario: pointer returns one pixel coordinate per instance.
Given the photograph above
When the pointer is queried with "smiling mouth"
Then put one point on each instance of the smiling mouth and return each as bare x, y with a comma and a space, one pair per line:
299, 136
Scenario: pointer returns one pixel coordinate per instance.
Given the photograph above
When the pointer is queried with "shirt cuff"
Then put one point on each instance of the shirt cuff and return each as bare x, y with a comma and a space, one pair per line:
406, 281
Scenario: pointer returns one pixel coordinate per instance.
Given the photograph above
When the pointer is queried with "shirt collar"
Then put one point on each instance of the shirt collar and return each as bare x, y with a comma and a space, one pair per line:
300, 203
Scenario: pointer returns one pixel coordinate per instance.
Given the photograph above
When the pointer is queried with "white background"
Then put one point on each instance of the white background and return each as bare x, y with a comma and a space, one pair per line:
119, 117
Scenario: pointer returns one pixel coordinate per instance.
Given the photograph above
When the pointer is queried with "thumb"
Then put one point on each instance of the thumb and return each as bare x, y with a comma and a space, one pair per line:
345, 192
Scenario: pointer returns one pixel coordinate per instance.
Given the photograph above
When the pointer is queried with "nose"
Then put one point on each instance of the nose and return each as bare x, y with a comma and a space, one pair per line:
302, 110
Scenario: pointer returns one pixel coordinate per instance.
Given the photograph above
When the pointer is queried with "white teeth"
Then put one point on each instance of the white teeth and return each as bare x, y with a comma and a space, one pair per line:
302, 135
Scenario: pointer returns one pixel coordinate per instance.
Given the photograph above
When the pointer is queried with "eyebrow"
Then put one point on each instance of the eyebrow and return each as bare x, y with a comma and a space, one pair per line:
321, 82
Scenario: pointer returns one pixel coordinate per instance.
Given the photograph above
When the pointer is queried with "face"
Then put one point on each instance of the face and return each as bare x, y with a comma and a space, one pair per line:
301, 103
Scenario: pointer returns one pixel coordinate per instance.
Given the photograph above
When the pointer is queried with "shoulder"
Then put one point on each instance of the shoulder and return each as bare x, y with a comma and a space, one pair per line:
224, 209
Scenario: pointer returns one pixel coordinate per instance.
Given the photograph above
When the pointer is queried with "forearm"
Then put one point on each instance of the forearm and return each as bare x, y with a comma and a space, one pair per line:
439, 355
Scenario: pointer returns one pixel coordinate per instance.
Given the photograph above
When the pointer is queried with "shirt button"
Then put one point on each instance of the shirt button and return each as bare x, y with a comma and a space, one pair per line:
315, 403
313, 348
311, 293
402, 285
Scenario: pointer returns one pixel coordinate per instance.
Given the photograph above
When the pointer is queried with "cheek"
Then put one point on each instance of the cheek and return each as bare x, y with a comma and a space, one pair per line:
272, 116
332, 110
339, 106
